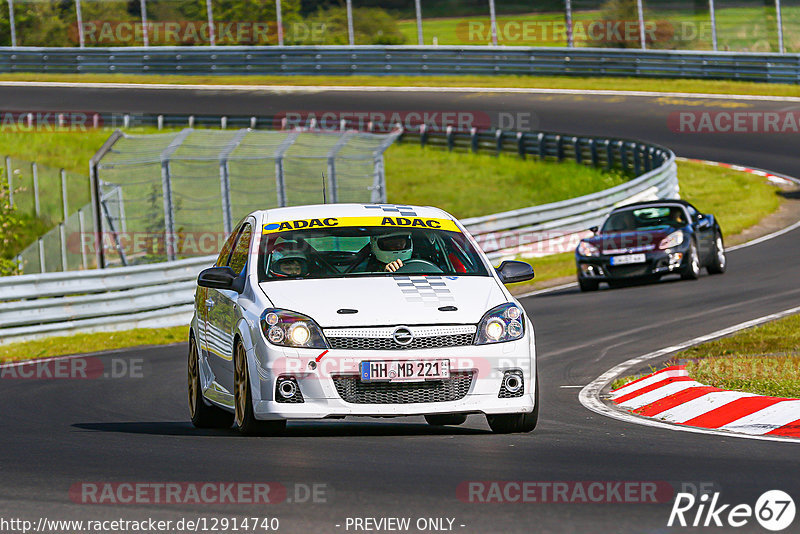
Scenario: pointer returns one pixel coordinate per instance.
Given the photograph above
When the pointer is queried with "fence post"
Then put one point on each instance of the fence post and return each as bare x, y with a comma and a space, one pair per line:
609, 155
64, 200
593, 151
62, 233
493, 22
623, 155
212, 34
450, 138
499, 140
542, 148
423, 134
42, 267
779, 21
350, 34
278, 20
224, 180
473, 139
79, 17
521, 144
280, 184
418, 10
10, 175
81, 231
559, 147
568, 22
713, 16
576, 143
637, 159
332, 184
640, 10
36, 206
12, 23
145, 36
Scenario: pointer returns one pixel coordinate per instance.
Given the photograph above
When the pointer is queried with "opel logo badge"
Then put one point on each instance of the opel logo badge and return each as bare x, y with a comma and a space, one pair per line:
403, 336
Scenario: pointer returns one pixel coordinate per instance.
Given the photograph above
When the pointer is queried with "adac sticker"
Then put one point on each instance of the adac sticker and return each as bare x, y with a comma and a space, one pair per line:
332, 222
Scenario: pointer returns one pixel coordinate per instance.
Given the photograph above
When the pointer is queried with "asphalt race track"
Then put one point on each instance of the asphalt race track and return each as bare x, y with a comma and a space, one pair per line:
56, 433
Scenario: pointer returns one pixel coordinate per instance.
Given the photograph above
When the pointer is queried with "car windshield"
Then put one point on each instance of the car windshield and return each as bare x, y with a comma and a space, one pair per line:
641, 219
353, 251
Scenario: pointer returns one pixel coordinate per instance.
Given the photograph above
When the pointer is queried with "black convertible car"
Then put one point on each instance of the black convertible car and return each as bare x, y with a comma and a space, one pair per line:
647, 240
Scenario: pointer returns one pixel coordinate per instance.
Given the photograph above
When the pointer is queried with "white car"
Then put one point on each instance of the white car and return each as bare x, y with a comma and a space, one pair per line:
341, 310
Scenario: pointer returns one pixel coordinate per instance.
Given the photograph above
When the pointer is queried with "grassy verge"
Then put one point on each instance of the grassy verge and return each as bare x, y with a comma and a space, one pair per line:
537, 82
764, 360
85, 343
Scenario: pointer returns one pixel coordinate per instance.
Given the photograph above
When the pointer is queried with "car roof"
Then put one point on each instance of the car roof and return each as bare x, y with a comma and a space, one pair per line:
662, 202
320, 211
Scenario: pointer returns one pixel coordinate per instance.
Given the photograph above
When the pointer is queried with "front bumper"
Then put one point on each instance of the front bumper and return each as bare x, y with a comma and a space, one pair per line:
657, 262
486, 365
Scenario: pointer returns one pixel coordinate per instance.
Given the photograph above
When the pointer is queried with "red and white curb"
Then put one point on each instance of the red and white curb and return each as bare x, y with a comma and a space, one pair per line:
773, 177
671, 395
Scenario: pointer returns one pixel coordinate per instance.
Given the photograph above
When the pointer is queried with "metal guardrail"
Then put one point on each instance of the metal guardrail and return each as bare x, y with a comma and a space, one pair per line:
162, 294
406, 60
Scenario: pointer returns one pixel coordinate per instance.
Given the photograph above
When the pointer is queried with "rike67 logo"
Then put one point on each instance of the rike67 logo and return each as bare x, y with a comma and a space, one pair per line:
774, 510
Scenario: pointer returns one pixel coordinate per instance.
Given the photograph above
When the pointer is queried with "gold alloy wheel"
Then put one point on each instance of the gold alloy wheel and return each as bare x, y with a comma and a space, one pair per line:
193, 379
240, 384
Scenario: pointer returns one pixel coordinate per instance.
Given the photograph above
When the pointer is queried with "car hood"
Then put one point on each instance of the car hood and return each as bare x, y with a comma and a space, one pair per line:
629, 241
388, 300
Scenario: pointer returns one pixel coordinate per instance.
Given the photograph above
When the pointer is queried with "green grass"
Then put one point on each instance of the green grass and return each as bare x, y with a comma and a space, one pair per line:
469, 185
537, 82
738, 28
763, 360
94, 342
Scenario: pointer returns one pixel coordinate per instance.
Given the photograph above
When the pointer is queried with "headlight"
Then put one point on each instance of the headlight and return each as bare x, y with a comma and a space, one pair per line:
672, 240
587, 249
503, 323
290, 329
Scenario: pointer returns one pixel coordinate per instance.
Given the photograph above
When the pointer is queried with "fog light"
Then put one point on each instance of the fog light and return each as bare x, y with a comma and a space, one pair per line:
287, 389
513, 383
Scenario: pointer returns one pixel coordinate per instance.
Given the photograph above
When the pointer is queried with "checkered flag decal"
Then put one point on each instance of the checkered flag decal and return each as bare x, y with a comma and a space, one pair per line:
430, 290
404, 211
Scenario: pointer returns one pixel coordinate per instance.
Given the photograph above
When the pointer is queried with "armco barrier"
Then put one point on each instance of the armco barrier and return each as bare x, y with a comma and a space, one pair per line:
162, 294
406, 60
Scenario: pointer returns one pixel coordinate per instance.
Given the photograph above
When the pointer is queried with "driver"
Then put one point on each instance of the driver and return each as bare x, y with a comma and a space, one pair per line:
389, 251
289, 262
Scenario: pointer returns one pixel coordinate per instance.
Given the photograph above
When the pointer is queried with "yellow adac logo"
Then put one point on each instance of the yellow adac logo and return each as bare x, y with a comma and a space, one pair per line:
331, 222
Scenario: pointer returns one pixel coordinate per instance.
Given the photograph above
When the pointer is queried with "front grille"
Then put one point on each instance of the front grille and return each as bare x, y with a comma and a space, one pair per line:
379, 343
623, 271
352, 389
382, 337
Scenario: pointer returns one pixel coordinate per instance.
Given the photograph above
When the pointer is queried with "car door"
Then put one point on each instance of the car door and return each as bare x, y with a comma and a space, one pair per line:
222, 313
704, 232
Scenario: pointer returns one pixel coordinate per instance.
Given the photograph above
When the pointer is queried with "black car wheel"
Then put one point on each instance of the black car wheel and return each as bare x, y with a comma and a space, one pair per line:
203, 415
245, 419
516, 422
719, 262
446, 419
692, 269
588, 285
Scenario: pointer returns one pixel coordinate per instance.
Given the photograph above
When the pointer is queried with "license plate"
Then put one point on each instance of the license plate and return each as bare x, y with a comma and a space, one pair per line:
627, 259
405, 371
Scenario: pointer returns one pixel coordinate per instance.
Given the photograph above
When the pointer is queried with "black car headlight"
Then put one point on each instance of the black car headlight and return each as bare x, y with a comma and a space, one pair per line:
503, 323
290, 329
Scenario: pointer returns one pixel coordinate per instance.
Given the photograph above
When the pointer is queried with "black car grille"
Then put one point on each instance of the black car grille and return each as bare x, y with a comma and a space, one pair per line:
381, 343
624, 271
352, 389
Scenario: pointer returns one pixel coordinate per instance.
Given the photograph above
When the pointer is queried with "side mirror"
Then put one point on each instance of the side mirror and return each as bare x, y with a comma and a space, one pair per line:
515, 271
594, 229
217, 278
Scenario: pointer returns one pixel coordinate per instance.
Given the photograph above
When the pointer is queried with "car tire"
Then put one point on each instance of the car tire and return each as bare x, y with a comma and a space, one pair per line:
719, 262
692, 269
588, 285
203, 415
516, 422
443, 419
244, 419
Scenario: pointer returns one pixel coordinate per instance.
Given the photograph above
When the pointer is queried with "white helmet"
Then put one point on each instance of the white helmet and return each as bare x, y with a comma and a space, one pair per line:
390, 247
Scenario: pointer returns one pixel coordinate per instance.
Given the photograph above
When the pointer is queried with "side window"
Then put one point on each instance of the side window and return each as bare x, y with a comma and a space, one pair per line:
242, 249
692, 212
222, 260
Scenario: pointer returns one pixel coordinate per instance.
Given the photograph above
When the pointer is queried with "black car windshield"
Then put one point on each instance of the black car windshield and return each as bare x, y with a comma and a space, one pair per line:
364, 251
642, 219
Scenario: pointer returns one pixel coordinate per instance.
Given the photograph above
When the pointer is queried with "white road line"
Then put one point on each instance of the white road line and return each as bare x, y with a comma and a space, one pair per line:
658, 377
701, 405
394, 89
768, 419
658, 394
589, 396
767, 237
